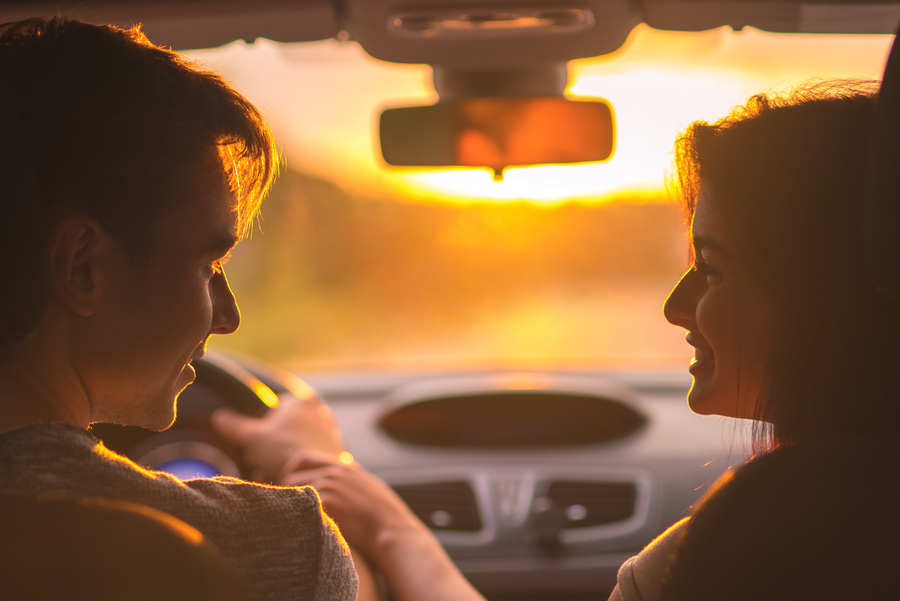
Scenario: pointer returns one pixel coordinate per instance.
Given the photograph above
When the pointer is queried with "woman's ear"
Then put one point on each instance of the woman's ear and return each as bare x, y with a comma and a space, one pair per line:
78, 254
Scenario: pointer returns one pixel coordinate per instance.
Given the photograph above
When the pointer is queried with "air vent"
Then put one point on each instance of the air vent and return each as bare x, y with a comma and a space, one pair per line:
586, 504
443, 505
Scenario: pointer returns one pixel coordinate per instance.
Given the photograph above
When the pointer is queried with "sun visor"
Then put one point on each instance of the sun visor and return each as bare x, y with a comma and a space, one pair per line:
492, 33
783, 16
192, 24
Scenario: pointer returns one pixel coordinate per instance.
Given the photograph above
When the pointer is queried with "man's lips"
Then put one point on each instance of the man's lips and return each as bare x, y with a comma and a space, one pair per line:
198, 354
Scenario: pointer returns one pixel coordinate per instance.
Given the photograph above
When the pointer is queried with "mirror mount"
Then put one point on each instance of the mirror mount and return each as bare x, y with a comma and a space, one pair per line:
454, 84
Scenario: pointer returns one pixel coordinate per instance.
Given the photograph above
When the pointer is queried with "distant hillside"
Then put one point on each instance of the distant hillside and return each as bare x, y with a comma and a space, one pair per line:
326, 265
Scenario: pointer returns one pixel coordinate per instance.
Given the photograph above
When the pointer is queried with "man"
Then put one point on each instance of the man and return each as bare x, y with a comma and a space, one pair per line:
127, 175
88, 545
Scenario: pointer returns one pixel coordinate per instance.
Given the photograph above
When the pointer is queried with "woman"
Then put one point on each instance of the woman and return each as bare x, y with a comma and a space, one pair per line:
775, 297
773, 305
800, 522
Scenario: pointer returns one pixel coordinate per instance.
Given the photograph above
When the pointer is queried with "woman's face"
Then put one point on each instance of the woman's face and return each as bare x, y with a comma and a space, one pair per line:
727, 317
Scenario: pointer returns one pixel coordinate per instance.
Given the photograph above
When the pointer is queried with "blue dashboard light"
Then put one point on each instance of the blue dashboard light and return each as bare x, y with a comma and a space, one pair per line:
188, 468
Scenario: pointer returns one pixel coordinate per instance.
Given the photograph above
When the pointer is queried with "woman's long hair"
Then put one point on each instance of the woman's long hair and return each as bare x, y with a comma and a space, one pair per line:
801, 522
789, 176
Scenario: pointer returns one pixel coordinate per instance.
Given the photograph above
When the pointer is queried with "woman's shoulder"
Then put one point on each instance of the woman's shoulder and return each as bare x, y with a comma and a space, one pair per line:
640, 577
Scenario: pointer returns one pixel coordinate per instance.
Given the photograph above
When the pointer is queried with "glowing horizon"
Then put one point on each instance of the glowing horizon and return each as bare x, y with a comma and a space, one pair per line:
323, 100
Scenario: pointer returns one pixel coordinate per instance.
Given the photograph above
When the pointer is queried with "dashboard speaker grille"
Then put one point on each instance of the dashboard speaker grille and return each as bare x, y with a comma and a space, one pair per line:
586, 504
449, 505
512, 419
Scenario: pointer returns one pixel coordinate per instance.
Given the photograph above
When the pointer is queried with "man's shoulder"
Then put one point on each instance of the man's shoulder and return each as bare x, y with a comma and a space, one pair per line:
58, 459
62, 459
277, 531
39, 446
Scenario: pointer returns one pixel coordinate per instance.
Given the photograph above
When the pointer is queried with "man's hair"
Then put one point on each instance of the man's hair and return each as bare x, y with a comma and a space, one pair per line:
99, 121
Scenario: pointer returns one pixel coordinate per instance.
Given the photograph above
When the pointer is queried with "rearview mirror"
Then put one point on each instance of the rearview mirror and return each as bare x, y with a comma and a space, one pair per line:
498, 132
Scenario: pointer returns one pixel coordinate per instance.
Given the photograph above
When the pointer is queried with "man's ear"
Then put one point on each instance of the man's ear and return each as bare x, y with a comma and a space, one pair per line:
79, 254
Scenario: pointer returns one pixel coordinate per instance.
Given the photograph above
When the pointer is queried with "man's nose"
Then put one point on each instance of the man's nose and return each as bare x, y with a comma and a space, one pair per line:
680, 304
226, 315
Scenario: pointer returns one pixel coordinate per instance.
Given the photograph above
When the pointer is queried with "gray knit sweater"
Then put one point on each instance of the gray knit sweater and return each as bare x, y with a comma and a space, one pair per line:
279, 536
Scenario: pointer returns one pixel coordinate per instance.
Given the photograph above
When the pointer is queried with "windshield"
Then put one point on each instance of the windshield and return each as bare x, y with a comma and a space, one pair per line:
358, 265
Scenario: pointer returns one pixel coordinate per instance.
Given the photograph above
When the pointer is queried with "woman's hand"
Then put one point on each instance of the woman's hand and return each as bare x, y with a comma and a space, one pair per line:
369, 513
269, 442
376, 521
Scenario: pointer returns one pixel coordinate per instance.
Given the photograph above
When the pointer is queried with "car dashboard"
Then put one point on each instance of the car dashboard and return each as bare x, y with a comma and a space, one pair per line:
538, 483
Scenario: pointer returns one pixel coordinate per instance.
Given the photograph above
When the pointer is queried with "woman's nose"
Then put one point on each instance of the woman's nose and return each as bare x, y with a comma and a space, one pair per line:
226, 315
681, 303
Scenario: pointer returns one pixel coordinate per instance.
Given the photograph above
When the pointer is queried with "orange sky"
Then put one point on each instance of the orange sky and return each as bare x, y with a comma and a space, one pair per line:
323, 100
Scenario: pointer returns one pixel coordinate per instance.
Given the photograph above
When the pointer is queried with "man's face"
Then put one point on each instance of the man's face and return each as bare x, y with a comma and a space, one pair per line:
158, 314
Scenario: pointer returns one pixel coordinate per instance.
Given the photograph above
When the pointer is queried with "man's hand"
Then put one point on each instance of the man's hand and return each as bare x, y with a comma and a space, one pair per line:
294, 426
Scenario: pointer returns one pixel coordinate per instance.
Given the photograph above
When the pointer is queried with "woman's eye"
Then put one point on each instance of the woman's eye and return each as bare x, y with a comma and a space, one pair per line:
210, 270
706, 271
217, 266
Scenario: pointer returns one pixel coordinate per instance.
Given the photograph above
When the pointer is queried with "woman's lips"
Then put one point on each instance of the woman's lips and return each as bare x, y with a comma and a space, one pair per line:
703, 357
701, 362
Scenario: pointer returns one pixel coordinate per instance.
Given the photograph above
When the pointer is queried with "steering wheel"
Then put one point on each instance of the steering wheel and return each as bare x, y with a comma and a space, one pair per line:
190, 448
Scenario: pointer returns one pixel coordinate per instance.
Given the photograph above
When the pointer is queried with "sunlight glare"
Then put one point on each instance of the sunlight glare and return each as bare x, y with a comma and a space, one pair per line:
658, 84
643, 149
329, 94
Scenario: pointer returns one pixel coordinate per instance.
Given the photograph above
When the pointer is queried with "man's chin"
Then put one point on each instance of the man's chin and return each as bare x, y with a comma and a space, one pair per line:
168, 425
165, 419
159, 423
186, 377
168, 420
